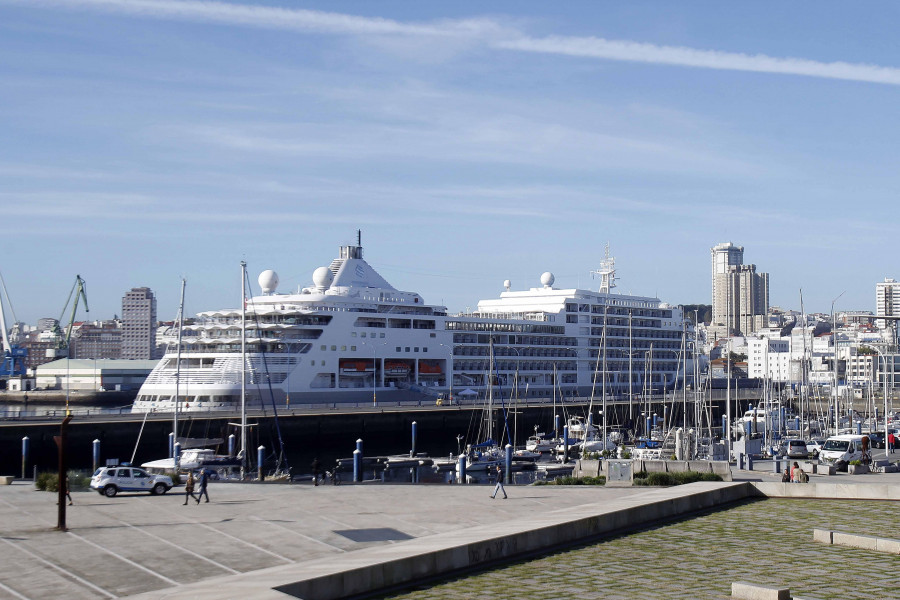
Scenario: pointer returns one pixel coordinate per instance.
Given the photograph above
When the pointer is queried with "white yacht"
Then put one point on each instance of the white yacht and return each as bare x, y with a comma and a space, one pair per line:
352, 337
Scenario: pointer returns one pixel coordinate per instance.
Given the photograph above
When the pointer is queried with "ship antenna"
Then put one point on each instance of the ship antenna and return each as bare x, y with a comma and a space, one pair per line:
606, 272
359, 237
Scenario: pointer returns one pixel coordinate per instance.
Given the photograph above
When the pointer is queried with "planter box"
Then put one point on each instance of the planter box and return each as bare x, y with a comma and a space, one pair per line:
857, 469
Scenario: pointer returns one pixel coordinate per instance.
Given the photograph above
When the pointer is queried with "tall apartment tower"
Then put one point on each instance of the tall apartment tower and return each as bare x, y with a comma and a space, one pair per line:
887, 301
740, 295
139, 324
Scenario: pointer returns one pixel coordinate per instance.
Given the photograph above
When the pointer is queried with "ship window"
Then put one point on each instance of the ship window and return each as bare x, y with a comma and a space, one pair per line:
323, 348
343, 348
353, 348
417, 348
333, 348
432, 335
382, 335
425, 349
407, 348
312, 363
398, 348
352, 334
323, 363
363, 334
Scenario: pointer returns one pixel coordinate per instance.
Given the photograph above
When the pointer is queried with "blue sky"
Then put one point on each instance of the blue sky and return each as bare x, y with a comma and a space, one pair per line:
142, 141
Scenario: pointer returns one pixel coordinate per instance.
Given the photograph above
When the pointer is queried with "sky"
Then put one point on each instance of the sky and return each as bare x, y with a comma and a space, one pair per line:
146, 141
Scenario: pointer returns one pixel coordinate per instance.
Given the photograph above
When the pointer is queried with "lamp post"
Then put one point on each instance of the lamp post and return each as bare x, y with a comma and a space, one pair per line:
375, 371
450, 369
884, 394
834, 391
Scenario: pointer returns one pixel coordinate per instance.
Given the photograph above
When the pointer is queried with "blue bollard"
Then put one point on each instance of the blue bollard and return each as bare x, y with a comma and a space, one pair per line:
749, 463
415, 427
776, 466
556, 427
724, 427
566, 444
177, 454
25, 441
96, 454
461, 469
172, 444
359, 445
260, 458
231, 445
859, 428
508, 457
748, 428
357, 464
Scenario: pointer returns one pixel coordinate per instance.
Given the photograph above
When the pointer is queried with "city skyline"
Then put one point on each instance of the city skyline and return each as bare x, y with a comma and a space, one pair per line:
152, 140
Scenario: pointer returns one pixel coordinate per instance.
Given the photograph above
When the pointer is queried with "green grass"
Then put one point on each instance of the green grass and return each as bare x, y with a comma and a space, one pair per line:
569, 480
669, 479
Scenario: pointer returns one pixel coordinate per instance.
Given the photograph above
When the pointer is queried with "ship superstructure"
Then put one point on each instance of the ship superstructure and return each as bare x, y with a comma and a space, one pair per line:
352, 337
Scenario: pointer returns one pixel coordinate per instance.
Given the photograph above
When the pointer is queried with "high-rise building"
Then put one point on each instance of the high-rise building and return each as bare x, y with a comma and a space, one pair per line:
139, 324
887, 301
740, 295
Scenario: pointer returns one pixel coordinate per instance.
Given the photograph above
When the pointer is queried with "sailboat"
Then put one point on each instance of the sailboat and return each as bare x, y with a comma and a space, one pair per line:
486, 454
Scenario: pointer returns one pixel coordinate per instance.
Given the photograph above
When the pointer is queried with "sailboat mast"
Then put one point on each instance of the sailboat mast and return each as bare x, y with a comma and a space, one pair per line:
178, 371
490, 412
243, 371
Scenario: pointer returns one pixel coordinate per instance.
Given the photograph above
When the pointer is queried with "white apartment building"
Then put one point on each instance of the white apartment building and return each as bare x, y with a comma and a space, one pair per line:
740, 295
887, 301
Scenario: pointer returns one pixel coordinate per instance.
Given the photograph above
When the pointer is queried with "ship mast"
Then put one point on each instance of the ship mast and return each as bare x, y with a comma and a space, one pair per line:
177, 456
243, 371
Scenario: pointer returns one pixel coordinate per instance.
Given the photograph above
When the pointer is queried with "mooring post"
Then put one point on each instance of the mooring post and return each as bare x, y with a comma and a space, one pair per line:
231, 439
176, 453
357, 464
172, 444
25, 441
415, 430
461, 469
566, 444
260, 458
508, 457
556, 425
96, 455
724, 427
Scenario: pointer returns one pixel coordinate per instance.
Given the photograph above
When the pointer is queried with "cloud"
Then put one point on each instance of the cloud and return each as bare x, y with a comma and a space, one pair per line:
307, 21
592, 47
489, 31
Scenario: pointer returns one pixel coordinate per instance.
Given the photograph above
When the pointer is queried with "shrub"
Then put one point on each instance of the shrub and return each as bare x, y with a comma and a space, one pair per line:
48, 481
668, 479
856, 462
569, 480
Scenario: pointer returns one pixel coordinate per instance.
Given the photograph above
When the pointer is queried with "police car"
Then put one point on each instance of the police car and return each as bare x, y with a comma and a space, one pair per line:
109, 481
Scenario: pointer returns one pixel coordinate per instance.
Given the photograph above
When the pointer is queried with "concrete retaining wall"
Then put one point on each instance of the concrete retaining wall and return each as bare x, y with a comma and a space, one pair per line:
845, 491
595, 468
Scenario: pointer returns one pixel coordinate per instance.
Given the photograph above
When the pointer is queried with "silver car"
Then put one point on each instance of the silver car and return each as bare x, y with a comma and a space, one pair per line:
109, 481
796, 449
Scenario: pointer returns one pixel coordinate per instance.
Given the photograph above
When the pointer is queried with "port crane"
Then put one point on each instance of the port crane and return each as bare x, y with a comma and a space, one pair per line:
13, 364
78, 291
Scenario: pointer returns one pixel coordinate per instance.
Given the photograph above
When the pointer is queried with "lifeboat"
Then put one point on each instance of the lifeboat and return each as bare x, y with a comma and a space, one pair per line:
427, 369
396, 369
356, 367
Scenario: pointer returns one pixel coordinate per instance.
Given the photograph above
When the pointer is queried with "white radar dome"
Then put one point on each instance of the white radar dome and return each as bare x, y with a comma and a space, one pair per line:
268, 281
547, 279
322, 278
507, 284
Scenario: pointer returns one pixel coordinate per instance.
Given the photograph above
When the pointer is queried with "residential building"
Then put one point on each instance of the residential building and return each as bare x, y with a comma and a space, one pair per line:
97, 339
740, 295
139, 324
887, 301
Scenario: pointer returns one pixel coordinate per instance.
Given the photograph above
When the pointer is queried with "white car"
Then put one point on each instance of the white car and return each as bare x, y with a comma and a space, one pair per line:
814, 446
109, 481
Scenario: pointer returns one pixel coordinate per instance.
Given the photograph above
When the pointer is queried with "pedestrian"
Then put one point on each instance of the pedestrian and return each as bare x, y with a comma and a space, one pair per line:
892, 440
204, 480
795, 473
499, 486
315, 469
68, 495
786, 476
189, 487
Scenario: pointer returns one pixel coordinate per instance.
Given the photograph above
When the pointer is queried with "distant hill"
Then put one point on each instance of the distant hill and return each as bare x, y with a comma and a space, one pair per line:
704, 311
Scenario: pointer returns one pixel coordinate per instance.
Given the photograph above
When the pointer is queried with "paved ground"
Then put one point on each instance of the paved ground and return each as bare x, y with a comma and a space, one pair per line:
139, 543
136, 544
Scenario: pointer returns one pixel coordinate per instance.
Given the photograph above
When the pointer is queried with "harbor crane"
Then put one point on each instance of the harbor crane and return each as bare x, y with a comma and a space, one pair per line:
78, 291
13, 364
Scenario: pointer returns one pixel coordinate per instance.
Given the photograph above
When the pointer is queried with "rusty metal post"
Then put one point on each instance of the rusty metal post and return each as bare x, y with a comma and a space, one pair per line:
63, 484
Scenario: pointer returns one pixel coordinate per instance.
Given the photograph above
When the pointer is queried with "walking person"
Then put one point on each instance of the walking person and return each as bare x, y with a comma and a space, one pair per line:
315, 469
499, 486
795, 473
189, 487
204, 480
68, 495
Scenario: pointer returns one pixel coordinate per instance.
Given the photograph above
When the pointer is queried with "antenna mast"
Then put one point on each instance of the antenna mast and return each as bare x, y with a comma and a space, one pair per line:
606, 272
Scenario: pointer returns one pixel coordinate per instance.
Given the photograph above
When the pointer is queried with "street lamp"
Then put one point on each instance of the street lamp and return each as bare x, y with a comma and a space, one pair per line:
450, 369
884, 392
834, 391
374, 371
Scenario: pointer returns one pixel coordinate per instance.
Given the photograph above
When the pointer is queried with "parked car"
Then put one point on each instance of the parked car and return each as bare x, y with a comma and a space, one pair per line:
796, 449
876, 439
109, 481
814, 446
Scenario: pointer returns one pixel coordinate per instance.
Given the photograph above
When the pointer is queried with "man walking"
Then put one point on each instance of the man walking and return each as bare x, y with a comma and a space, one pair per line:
316, 468
499, 486
204, 480
189, 487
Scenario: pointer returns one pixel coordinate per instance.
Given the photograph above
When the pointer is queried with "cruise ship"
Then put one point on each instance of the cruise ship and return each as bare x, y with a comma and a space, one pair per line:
352, 337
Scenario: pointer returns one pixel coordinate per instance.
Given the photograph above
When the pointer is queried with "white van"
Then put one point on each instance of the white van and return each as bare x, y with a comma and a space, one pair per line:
842, 448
